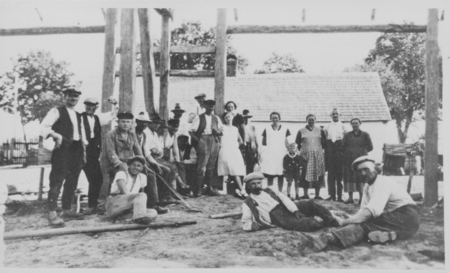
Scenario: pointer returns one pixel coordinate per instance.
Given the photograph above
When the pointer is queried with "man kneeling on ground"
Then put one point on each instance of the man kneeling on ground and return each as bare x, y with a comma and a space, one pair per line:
127, 193
387, 212
266, 208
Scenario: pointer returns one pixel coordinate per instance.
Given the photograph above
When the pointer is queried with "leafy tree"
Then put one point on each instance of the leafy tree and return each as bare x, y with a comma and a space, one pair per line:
399, 60
40, 79
280, 64
192, 33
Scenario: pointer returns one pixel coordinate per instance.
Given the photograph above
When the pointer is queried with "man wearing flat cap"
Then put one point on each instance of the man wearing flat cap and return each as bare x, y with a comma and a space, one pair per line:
127, 193
387, 212
205, 131
267, 208
118, 147
92, 126
200, 98
65, 126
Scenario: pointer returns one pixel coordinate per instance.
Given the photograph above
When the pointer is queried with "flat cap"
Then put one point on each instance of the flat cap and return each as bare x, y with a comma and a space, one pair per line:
91, 101
253, 176
360, 160
125, 115
210, 102
71, 91
136, 158
200, 95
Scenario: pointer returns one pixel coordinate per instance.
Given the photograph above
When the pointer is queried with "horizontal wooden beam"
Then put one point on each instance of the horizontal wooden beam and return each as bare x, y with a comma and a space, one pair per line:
181, 73
182, 49
51, 30
253, 29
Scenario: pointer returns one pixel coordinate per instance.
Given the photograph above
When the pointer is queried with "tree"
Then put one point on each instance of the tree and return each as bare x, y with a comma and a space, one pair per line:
192, 33
280, 64
399, 60
40, 80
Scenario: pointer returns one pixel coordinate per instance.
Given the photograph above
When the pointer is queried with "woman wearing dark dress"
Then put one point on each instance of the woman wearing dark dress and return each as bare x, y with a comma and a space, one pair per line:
355, 144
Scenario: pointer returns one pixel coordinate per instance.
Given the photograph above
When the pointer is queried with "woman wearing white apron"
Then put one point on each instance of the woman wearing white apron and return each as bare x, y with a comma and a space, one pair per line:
275, 140
230, 160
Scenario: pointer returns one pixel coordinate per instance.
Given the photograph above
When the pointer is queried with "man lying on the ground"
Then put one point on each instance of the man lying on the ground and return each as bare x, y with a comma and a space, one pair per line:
266, 208
387, 212
127, 193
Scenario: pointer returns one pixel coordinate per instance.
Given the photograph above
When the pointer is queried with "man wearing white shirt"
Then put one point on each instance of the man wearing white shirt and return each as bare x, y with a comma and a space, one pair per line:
334, 155
65, 126
205, 132
387, 212
92, 126
267, 208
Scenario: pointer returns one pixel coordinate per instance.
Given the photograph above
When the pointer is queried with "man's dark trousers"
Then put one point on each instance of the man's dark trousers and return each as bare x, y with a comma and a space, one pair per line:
67, 162
93, 172
333, 160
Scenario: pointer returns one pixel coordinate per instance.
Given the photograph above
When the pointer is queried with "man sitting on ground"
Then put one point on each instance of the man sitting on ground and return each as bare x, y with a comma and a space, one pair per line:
387, 212
266, 208
127, 193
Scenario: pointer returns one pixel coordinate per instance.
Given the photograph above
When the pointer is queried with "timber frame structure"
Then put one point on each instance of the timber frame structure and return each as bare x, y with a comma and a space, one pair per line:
128, 73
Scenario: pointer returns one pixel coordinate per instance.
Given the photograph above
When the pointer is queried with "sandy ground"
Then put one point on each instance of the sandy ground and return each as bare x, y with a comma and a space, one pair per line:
214, 243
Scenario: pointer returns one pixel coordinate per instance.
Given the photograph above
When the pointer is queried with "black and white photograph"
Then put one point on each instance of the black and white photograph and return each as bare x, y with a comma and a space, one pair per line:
223, 134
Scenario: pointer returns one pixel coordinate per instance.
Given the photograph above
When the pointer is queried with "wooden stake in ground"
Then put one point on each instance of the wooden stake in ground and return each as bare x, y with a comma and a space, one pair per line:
66, 231
164, 68
220, 64
147, 60
431, 109
127, 61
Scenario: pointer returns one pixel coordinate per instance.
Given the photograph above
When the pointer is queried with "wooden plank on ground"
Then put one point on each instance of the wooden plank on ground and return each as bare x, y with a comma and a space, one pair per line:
164, 67
127, 61
147, 60
253, 29
220, 64
431, 109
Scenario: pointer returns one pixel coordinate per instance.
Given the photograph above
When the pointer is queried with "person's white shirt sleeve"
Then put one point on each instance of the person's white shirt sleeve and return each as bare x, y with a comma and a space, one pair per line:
379, 198
285, 200
195, 124
47, 123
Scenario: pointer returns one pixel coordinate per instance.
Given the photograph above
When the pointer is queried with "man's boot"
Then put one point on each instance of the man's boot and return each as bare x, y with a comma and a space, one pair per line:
199, 185
212, 191
161, 210
349, 235
68, 214
54, 219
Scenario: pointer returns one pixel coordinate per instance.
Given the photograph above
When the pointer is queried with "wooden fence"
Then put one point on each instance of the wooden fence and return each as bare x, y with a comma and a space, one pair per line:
16, 151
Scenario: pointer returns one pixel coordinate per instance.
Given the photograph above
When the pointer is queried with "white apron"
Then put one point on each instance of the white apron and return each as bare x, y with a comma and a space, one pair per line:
274, 152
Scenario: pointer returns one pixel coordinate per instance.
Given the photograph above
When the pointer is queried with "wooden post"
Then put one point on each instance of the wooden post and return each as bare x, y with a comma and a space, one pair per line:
41, 184
431, 109
164, 68
147, 60
220, 64
108, 63
127, 60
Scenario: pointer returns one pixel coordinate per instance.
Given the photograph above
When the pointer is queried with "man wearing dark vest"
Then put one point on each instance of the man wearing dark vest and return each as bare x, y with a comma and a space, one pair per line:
92, 126
64, 125
267, 208
188, 157
205, 131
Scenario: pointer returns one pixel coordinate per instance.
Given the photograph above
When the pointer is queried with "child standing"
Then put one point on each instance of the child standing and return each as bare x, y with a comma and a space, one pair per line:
293, 164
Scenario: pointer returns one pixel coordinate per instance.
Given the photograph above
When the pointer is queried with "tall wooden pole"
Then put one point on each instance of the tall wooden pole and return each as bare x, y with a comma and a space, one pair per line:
220, 64
108, 63
164, 68
431, 109
147, 60
127, 60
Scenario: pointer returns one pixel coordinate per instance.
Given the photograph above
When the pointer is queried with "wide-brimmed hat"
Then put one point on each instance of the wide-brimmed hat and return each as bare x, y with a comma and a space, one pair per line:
91, 101
125, 115
360, 160
177, 108
246, 113
143, 116
173, 123
71, 91
200, 95
136, 158
156, 119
